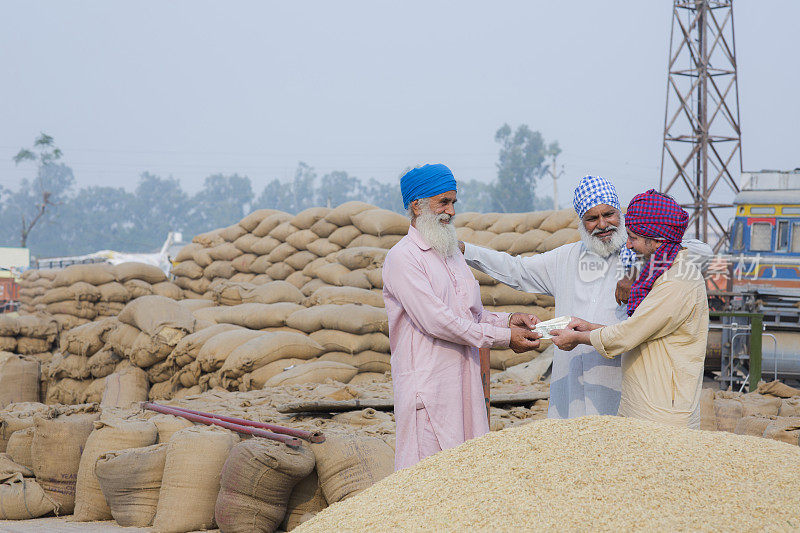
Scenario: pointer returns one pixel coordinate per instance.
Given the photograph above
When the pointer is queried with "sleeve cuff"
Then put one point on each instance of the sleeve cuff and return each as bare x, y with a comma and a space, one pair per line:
469, 251
595, 336
502, 338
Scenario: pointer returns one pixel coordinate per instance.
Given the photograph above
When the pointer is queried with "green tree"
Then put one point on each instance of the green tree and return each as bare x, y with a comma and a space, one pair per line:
37, 198
381, 194
159, 205
291, 197
224, 200
474, 196
337, 188
520, 164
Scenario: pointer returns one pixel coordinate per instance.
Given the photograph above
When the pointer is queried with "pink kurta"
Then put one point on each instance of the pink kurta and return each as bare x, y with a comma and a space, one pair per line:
436, 324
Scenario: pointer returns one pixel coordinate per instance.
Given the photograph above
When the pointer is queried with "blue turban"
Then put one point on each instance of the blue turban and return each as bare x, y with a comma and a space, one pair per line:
425, 182
593, 191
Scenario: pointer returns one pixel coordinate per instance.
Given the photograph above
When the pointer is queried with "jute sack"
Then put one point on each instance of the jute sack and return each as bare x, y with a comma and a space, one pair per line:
756, 404
121, 337
79, 291
30, 346
160, 317
352, 318
365, 417
298, 279
557, 220
375, 278
314, 372
728, 411
37, 327
9, 326
94, 274
19, 379
57, 473
7, 467
281, 252
381, 222
131, 480
308, 217
279, 271
504, 295
185, 253
23, 498
124, 388
559, 238
216, 349
368, 361
267, 348
708, 418
299, 260
270, 223
19, 447
67, 391
147, 351
188, 348
344, 235
789, 407
133, 270
341, 341
251, 221
209, 238
753, 425
527, 242
168, 425
78, 309
305, 501
264, 245
356, 278
94, 392
168, 289
103, 363
137, 288
323, 247
161, 371
387, 241
191, 481
532, 220
343, 295
69, 366
301, 239
108, 435
188, 269
8, 344
342, 215
323, 228
362, 257
346, 465
776, 388
258, 316
232, 232
257, 378
256, 482
332, 273
113, 292
784, 429
86, 339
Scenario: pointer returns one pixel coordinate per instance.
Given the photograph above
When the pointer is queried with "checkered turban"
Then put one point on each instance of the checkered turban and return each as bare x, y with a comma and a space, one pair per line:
592, 191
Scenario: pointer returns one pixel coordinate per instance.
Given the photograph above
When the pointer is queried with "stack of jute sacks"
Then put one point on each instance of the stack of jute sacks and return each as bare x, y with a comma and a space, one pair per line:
335, 257
772, 411
81, 293
146, 469
34, 283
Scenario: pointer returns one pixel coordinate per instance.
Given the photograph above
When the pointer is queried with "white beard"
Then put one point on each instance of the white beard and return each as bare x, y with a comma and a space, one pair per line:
604, 249
441, 236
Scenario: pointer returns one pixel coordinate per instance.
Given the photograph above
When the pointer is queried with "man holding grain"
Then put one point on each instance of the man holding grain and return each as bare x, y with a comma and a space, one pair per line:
437, 324
663, 342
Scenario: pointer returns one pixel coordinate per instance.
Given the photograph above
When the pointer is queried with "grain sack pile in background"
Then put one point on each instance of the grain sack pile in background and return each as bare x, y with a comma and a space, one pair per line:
33, 285
615, 474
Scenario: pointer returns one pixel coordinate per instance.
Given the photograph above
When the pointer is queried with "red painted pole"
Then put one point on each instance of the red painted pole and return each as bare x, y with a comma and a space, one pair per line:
247, 430
311, 436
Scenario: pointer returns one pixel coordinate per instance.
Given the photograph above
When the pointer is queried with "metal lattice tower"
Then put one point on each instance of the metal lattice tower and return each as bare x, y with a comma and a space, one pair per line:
702, 137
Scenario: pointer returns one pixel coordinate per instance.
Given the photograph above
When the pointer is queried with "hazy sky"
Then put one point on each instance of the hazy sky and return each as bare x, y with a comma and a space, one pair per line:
193, 88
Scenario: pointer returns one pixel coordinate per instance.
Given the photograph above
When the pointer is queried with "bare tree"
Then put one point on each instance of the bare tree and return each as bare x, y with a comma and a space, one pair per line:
44, 153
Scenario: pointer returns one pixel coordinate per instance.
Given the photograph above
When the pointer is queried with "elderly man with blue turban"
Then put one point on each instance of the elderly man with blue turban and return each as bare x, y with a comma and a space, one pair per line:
583, 278
437, 324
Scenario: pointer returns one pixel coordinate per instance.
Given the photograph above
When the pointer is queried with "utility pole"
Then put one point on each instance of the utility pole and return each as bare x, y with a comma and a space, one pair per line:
702, 136
552, 171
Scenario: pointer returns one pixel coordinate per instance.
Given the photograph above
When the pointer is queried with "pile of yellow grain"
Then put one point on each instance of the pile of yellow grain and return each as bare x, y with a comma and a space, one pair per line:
605, 473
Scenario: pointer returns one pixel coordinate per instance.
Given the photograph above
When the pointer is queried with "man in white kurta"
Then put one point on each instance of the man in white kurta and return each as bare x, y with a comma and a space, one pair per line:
582, 277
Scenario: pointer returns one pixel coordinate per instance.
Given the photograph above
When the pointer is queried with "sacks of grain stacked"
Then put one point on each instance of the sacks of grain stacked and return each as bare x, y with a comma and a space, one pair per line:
33, 285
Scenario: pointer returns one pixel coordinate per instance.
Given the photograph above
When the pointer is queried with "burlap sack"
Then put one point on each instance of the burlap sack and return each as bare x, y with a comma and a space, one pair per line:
161, 371
298, 279
78, 309
346, 465
323, 247
94, 392
120, 338
356, 278
158, 317
323, 228
87, 339
216, 349
245, 243
279, 271
270, 223
756, 404
188, 269
191, 480
94, 274
226, 252
784, 429
308, 217
355, 258
708, 418
776, 388
559, 238
332, 273
232, 232
19, 447
168, 425
8, 467
264, 245
30, 346
309, 288
185, 253
103, 363
266, 349
344, 235
219, 269
753, 425
790, 407
23, 498
380, 222
256, 482
188, 347
344, 295
563, 218
527, 242
532, 220
313, 372
305, 501
209, 238
375, 278
386, 241
352, 318
147, 351
258, 316
301, 239
80, 291
501, 294
131, 481
365, 417
168, 289
9, 326
368, 361
57, 473
251, 221
37, 327
342, 215
108, 435
125, 388
341, 341
69, 366
242, 263
256, 379
15, 417
728, 411
19, 380
299, 260
281, 252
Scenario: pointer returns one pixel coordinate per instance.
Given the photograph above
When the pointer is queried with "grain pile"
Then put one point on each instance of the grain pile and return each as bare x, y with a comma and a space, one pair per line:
33, 285
604, 473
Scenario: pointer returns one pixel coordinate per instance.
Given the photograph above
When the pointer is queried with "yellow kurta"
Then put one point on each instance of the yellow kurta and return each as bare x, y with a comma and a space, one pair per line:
662, 373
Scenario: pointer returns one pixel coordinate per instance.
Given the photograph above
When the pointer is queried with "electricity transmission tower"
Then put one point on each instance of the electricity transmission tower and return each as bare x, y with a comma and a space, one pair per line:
702, 137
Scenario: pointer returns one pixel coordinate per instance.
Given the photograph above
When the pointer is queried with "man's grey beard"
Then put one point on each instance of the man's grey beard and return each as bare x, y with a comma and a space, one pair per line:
604, 249
441, 237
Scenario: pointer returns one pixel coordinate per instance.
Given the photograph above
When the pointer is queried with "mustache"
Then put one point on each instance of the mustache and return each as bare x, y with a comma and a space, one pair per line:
444, 217
598, 231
